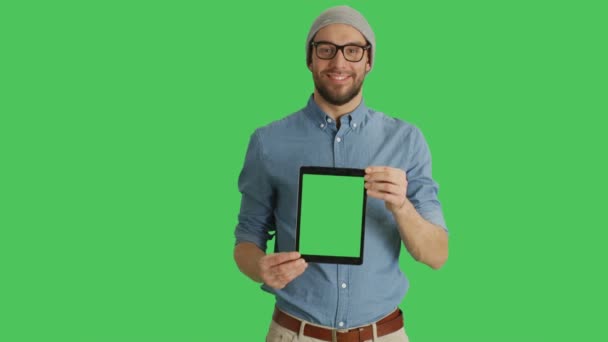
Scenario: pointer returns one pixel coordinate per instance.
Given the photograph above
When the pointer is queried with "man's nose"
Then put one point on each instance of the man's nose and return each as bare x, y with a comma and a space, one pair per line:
339, 59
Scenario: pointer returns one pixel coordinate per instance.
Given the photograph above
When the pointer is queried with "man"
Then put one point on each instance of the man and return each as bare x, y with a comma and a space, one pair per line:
328, 302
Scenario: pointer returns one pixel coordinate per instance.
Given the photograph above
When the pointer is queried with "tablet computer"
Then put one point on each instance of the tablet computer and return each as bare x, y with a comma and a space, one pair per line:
331, 215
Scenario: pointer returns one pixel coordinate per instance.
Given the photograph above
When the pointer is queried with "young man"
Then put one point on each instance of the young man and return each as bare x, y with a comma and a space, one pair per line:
328, 302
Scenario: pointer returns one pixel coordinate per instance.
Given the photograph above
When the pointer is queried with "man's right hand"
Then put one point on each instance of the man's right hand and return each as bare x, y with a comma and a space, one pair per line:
279, 269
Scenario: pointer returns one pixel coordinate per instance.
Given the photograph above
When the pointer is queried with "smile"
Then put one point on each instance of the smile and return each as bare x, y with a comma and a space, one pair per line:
338, 77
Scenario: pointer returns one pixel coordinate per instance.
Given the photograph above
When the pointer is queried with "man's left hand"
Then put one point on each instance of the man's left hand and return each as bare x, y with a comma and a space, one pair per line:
388, 184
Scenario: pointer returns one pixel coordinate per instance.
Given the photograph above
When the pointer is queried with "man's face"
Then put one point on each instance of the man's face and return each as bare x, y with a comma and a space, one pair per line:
337, 80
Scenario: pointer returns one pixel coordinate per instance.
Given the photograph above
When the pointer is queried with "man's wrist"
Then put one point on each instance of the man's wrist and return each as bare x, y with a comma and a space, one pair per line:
406, 210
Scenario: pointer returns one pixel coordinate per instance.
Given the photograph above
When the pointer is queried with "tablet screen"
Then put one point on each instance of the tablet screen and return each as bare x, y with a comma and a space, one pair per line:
331, 215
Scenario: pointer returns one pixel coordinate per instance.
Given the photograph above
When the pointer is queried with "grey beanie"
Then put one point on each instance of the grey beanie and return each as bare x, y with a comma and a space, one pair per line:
342, 15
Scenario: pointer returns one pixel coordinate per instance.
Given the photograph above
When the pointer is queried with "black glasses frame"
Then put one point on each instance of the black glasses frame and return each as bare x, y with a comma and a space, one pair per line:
340, 48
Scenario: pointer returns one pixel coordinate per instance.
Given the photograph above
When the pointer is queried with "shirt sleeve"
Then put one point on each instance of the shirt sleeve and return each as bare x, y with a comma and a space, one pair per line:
255, 219
422, 189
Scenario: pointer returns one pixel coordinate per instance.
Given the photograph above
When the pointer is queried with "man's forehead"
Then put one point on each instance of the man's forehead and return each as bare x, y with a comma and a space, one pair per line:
340, 33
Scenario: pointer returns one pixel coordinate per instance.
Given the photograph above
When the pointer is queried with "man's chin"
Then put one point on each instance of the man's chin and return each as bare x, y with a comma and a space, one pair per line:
342, 97
338, 100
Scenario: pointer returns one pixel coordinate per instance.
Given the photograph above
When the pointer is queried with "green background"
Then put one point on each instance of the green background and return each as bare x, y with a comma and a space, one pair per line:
336, 234
124, 125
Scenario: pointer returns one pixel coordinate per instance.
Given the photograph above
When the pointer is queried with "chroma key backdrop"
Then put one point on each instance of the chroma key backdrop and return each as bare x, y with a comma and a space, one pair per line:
124, 126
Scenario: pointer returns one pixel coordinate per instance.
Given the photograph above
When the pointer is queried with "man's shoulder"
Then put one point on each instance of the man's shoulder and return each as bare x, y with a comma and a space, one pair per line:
391, 123
284, 124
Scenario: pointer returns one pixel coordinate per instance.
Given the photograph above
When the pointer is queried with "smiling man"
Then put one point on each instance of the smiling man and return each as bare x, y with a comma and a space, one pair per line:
328, 302
338, 81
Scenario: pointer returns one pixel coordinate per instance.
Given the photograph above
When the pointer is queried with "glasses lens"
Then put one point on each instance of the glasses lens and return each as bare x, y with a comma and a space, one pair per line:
325, 51
353, 53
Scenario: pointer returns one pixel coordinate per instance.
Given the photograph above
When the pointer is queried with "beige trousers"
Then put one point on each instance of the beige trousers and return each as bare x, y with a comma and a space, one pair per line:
277, 333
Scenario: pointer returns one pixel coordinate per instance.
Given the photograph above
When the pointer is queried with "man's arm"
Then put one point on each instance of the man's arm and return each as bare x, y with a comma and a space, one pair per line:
426, 242
256, 220
275, 270
247, 256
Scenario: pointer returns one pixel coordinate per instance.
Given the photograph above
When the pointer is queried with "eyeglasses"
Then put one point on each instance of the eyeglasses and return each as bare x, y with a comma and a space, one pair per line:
352, 53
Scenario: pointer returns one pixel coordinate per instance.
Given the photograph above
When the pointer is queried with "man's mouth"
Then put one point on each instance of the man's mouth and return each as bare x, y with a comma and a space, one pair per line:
337, 76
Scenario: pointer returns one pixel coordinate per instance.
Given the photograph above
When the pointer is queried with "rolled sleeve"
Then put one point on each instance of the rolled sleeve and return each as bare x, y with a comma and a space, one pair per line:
422, 190
255, 219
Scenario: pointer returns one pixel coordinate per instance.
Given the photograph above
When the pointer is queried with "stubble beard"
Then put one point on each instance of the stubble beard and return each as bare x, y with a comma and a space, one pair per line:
336, 97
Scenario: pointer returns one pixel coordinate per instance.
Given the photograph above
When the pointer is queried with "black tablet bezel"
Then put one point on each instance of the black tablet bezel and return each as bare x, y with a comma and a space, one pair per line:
331, 171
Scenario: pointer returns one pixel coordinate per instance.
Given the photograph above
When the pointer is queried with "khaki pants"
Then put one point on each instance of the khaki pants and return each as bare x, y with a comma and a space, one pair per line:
277, 333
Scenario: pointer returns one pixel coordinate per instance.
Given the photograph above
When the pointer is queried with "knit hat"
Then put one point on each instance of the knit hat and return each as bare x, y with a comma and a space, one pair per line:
342, 15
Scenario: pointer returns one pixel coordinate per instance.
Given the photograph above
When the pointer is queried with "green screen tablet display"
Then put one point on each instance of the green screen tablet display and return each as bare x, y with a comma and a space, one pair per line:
331, 215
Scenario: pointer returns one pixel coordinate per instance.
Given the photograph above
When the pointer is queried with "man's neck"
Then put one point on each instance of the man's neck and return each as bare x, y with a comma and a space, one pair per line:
335, 112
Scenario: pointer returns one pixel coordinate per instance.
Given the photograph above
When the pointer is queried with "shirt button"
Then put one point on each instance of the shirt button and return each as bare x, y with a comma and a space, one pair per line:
338, 139
328, 120
341, 324
322, 125
354, 125
343, 285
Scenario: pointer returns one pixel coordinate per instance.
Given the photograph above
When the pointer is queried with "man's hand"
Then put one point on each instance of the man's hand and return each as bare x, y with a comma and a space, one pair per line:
426, 242
279, 269
388, 184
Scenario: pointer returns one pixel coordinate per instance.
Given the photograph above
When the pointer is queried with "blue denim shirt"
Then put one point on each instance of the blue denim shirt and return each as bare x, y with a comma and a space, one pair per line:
339, 296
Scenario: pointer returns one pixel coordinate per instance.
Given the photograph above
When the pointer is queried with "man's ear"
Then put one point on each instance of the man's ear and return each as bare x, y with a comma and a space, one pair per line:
310, 66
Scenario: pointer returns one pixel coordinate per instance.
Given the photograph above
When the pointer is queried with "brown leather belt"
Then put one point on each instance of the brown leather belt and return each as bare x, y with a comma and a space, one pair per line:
385, 326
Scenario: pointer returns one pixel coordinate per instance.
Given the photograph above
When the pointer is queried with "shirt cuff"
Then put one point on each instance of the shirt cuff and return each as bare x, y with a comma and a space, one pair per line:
435, 217
253, 238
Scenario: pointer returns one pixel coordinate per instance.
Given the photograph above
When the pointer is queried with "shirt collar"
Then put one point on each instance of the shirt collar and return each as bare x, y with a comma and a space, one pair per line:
354, 118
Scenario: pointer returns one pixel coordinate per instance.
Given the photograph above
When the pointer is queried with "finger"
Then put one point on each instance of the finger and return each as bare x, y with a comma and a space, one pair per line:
269, 268
370, 170
385, 187
374, 169
386, 169
288, 267
396, 176
279, 258
387, 197
380, 178
376, 176
295, 272
286, 272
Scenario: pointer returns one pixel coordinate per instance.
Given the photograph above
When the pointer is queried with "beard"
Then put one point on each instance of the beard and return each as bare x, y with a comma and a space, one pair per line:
338, 96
